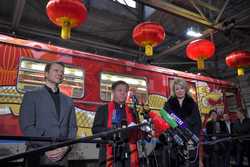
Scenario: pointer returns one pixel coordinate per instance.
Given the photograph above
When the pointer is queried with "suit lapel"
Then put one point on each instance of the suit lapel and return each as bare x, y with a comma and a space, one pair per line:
229, 129
50, 102
62, 107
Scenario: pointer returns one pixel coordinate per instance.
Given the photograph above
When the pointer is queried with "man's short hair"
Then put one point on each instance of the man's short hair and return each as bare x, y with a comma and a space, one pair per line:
243, 112
212, 111
48, 65
115, 84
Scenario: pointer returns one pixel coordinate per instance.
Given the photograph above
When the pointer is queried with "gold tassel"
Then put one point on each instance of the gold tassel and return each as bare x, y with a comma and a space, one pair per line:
240, 71
66, 29
149, 50
200, 64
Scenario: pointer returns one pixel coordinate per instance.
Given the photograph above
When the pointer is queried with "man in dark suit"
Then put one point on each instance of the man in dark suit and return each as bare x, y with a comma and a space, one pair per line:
114, 115
215, 152
227, 130
242, 127
46, 112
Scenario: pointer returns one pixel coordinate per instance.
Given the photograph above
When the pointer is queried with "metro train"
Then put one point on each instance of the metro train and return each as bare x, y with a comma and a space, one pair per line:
88, 79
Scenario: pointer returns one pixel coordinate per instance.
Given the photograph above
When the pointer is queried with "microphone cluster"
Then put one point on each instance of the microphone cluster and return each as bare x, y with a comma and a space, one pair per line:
169, 127
167, 124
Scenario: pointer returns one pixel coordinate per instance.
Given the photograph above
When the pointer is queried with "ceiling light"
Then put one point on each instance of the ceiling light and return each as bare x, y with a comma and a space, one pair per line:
192, 33
130, 3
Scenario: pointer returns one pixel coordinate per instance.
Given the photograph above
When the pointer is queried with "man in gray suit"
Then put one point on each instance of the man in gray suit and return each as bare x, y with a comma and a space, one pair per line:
46, 112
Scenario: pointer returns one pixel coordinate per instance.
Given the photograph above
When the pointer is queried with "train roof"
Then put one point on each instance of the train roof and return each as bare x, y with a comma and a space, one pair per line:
74, 53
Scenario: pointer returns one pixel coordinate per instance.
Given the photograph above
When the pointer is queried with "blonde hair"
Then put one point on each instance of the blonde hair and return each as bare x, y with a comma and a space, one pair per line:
182, 83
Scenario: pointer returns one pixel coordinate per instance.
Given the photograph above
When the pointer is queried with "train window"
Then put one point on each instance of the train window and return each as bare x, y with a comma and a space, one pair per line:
31, 76
137, 85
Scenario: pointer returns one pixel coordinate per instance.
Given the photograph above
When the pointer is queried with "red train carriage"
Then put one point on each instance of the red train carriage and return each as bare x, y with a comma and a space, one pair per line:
88, 79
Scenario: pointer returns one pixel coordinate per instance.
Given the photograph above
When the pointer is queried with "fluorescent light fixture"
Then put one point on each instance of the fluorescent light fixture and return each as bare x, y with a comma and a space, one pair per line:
38, 66
192, 33
129, 80
73, 71
130, 3
142, 89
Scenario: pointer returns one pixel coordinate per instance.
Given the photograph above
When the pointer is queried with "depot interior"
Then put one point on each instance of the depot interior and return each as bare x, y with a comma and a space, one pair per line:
108, 31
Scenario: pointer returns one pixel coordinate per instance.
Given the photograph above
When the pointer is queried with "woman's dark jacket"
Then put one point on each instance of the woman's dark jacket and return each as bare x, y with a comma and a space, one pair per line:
188, 112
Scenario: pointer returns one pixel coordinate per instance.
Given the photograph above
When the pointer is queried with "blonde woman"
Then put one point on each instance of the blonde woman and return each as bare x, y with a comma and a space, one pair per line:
183, 105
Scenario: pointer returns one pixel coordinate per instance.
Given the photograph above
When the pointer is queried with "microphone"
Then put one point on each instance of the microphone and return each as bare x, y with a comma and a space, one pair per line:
134, 99
183, 125
115, 124
168, 118
164, 137
135, 103
176, 123
161, 126
124, 136
191, 141
114, 119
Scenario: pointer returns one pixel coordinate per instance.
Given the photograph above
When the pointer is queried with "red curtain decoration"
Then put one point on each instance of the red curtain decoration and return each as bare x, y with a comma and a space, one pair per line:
200, 50
66, 14
148, 35
238, 59
10, 55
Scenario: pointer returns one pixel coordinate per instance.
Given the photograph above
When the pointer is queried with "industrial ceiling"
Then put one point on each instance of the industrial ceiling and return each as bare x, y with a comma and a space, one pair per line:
109, 25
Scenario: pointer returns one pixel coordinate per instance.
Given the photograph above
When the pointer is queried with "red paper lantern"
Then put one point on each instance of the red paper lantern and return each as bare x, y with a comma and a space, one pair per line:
66, 14
148, 35
238, 59
200, 50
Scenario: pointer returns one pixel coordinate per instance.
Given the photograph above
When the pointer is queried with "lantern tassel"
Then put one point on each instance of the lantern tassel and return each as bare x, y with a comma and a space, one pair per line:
240, 71
149, 50
200, 64
66, 29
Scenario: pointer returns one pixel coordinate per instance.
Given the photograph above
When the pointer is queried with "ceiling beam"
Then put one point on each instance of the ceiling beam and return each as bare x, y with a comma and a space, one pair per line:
198, 9
78, 40
177, 11
204, 33
18, 12
140, 18
207, 5
221, 11
182, 44
126, 7
102, 45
